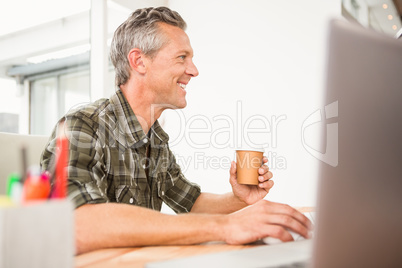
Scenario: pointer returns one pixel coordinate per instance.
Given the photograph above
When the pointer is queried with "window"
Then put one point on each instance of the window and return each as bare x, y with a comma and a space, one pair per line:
52, 97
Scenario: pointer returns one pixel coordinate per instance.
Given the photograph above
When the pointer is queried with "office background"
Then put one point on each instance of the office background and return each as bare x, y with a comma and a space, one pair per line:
262, 74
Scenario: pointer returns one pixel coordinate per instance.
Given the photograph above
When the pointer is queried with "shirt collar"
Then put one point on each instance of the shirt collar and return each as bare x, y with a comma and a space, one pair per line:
128, 124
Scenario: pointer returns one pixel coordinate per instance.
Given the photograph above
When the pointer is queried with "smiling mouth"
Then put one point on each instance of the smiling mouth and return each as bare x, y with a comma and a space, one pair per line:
183, 86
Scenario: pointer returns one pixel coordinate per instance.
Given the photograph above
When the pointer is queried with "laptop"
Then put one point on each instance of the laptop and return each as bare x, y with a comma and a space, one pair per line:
359, 204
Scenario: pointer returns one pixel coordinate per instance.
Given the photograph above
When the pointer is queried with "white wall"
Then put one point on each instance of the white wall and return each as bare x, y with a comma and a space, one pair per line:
263, 60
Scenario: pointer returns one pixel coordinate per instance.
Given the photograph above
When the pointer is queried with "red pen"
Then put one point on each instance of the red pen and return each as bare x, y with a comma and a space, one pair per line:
60, 185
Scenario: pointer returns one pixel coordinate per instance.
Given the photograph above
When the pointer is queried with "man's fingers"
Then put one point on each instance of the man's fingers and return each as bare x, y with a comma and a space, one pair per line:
266, 184
266, 177
289, 223
279, 232
263, 169
283, 209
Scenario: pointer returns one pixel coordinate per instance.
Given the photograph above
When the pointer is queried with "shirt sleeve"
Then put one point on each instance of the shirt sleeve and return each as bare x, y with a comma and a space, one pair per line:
182, 194
86, 178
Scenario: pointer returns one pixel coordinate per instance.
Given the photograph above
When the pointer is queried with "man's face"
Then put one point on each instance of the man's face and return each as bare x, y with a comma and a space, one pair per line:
171, 69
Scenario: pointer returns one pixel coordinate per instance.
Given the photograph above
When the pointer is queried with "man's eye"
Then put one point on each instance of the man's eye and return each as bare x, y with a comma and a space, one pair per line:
182, 57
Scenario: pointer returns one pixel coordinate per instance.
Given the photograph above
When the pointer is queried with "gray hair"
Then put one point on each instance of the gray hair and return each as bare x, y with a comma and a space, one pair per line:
140, 31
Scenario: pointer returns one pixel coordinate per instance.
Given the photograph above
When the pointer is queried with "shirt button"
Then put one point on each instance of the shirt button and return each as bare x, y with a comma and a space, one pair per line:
131, 200
145, 140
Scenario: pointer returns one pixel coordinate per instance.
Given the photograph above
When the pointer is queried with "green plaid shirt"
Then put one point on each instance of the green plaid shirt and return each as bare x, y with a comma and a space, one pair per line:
111, 159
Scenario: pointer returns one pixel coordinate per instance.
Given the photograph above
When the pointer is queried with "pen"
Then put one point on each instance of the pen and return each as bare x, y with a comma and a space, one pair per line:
24, 163
60, 185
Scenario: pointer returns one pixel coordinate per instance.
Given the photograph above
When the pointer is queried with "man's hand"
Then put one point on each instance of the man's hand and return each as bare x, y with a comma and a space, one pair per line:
265, 219
251, 194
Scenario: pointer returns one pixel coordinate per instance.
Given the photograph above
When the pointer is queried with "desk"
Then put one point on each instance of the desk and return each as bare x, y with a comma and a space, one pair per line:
136, 257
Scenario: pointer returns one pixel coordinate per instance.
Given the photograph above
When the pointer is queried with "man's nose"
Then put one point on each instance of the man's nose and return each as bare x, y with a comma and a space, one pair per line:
192, 69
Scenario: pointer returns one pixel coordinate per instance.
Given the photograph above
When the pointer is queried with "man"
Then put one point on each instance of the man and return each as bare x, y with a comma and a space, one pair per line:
121, 168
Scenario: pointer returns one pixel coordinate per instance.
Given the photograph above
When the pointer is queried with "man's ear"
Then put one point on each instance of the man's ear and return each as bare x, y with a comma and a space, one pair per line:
136, 59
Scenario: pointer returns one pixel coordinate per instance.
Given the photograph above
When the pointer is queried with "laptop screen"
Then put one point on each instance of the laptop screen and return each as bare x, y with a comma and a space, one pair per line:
359, 215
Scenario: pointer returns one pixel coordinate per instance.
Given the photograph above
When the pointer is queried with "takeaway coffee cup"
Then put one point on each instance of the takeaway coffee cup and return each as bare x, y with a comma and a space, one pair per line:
248, 161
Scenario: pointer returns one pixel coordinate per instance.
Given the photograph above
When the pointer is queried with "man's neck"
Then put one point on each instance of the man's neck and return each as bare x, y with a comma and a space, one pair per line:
142, 105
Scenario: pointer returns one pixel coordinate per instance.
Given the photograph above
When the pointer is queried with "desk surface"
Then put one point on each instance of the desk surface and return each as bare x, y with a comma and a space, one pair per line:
135, 257
138, 256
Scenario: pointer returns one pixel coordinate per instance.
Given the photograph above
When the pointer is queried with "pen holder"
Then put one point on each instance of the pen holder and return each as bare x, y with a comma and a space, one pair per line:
37, 235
